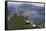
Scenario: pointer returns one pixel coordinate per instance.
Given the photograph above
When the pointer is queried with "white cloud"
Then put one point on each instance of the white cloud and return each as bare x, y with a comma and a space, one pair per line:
38, 4
15, 3
29, 0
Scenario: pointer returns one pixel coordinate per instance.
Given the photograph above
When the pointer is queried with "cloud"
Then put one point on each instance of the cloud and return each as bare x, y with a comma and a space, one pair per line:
29, 0
28, 13
38, 4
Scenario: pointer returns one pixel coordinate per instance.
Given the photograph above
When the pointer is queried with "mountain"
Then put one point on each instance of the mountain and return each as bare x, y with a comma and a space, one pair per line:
36, 13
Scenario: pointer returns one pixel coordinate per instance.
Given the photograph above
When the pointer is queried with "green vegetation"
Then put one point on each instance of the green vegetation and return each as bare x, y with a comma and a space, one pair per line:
16, 22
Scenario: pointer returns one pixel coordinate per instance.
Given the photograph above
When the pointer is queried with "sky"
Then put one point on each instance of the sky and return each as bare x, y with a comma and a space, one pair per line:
36, 4
35, 11
29, 0
20, 4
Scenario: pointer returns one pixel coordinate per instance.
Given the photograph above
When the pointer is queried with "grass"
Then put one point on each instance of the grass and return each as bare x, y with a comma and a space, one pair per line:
16, 22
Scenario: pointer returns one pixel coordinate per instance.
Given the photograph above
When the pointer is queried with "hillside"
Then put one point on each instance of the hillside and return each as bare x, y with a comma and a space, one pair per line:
16, 22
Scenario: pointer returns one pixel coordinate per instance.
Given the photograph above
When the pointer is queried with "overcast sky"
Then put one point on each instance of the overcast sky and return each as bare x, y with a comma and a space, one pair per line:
29, 0
20, 3
36, 4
